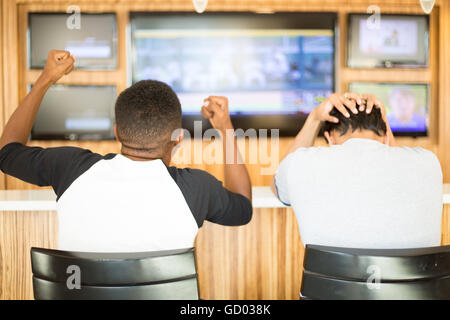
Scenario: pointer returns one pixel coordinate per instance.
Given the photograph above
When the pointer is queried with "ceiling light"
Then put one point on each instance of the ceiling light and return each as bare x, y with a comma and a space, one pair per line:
427, 5
200, 5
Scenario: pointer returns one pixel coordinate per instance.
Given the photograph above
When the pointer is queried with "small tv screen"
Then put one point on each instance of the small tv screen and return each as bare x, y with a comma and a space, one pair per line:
391, 41
407, 105
93, 43
70, 112
274, 69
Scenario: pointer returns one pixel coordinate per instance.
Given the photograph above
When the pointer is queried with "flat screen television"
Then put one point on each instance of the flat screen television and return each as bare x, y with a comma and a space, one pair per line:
407, 105
94, 44
273, 68
72, 112
392, 41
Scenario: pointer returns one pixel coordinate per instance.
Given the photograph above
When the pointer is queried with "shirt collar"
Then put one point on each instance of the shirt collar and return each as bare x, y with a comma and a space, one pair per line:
362, 141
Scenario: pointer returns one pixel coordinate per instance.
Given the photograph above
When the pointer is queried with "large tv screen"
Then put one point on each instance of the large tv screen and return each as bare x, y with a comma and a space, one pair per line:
392, 41
94, 43
70, 112
407, 105
273, 68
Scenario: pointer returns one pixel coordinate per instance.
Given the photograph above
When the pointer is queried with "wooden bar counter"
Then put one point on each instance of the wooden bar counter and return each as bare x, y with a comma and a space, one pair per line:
261, 260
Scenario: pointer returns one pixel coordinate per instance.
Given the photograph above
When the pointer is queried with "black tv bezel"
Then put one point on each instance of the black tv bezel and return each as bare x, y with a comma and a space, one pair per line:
92, 67
288, 124
79, 136
388, 64
412, 134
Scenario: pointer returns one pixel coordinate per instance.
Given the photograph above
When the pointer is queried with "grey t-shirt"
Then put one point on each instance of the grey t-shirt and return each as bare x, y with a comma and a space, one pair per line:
364, 194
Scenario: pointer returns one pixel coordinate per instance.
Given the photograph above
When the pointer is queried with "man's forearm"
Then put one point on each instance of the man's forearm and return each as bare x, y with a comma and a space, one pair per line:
18, 127
390, 135
237, 178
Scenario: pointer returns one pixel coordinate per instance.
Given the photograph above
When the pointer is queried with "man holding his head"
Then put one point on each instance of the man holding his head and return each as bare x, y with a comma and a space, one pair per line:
362, 191
132, 201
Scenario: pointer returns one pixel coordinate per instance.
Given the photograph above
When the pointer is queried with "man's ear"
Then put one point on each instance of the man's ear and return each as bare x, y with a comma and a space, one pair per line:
386, 139
115, 132
179, 138
329, 139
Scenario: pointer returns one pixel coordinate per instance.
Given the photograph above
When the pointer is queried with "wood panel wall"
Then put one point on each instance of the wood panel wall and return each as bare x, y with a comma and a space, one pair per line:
262, 260
2, 103
444, 88
19, 231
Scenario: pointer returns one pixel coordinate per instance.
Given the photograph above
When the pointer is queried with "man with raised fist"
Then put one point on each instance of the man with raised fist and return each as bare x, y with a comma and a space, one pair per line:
133, 201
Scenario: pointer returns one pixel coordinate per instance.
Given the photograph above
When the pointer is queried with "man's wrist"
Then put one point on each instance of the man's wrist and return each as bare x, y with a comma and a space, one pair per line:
228, 126
45, 79
314, 116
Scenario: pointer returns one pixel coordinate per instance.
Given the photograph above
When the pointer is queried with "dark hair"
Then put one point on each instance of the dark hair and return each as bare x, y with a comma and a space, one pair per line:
146, 115
360, 121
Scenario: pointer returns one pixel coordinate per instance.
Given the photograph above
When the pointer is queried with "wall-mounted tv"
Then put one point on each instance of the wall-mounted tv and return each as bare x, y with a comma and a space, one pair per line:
273, 68
391, 41
407, 105
94, 43
72, 112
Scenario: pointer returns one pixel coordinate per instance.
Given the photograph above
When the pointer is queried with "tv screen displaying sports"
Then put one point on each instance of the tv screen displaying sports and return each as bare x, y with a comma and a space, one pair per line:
274, 69
93, 41
391, 41
407, 105
70, 112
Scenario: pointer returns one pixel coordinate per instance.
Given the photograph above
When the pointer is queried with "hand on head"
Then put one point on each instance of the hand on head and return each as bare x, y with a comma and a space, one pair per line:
216, 110
369, 101
336, 109
59, 63
346, 103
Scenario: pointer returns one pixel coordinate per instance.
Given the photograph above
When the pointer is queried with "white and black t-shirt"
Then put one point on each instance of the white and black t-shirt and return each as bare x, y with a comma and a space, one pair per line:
114, 204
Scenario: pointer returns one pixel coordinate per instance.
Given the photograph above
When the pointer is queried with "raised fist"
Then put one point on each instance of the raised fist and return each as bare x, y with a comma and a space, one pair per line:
58, 63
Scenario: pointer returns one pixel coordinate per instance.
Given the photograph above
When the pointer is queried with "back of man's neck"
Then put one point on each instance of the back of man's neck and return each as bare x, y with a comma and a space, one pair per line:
368, 135
141, 155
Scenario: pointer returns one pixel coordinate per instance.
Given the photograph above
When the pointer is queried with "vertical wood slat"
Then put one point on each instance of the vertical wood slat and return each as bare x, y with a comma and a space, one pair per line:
8, 61
10, 57
445, 239
2, 75
19, 231
444, 87
10, 65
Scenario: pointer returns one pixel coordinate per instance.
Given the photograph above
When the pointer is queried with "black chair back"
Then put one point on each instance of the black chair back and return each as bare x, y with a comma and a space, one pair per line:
159, 275
376, 274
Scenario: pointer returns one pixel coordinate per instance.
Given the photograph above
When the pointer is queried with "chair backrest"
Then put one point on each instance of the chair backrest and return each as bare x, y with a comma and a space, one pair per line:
159, 275
366, 274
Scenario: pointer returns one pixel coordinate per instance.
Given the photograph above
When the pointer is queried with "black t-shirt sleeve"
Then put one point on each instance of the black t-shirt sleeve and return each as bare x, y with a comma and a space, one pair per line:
55, 167
209, 200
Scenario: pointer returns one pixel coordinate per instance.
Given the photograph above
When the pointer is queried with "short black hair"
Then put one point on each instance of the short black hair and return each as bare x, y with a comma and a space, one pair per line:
361, 121
146, 115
